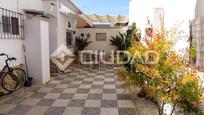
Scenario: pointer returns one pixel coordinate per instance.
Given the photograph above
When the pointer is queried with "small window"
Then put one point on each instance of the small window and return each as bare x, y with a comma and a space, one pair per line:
100, 36
6, 24
15, 25
69, 38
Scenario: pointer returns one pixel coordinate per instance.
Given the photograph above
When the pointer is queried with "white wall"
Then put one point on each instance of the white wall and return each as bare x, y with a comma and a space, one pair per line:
12, 47
18, 5
30, 4
63, 27
199, 11
53, 34
99, 45
37, 49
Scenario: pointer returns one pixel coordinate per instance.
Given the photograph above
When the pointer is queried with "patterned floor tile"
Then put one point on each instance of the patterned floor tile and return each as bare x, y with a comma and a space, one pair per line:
52, 96
73, 111
45, 90
20, 110
38, 95
127, 111
91, 111
93, 103
126, 104
77, 103
66, 96
109, 103
80, 96
109, 97
61, 103
55, 111
84, 91
46, 102
70, 90
109, 111
124, 97
5, 108
37, 110
95, 96
31, 101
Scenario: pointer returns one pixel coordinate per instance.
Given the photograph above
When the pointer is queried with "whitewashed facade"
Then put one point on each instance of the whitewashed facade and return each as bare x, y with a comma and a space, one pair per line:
47, 25
42, 35
100, 45
198, 32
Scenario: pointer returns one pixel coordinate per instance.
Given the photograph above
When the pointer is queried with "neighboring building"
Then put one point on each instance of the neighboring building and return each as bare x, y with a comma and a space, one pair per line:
198, 33
101, 30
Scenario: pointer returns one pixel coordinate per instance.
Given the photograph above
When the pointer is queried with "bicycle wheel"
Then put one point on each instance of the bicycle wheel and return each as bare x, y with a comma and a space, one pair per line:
21, 76
9, 82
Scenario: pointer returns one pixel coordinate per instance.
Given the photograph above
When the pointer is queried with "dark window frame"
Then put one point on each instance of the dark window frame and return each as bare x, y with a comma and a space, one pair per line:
69, 38
6, 24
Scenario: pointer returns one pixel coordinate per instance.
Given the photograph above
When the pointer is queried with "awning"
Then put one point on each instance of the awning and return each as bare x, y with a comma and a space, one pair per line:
108, 19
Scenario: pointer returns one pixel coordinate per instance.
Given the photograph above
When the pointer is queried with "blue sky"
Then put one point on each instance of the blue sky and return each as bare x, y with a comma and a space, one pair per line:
104, 7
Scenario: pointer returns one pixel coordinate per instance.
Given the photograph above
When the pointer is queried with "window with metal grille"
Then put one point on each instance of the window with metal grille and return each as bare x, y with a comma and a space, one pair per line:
100, 36
11, 24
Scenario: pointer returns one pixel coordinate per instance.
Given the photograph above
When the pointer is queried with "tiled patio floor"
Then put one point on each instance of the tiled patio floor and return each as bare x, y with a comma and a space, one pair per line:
85, 91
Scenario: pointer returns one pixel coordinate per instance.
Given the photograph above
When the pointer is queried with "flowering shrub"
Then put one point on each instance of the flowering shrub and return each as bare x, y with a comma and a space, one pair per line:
168, 81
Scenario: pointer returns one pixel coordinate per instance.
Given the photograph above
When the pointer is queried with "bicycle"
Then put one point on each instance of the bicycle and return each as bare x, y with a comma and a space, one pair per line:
10, 80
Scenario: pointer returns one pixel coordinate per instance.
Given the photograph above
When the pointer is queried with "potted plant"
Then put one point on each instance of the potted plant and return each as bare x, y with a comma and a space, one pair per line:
81, 43
122, 41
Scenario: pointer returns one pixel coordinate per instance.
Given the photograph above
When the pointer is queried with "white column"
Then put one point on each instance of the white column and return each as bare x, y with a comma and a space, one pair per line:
37, 49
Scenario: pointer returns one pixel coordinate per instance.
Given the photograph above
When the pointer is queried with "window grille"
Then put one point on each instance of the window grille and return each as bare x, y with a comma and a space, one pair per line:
100, 36
11, 24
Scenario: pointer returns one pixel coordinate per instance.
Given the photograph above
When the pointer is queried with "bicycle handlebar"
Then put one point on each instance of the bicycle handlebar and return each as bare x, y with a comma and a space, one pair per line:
8, 59
12, 58
3, 54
